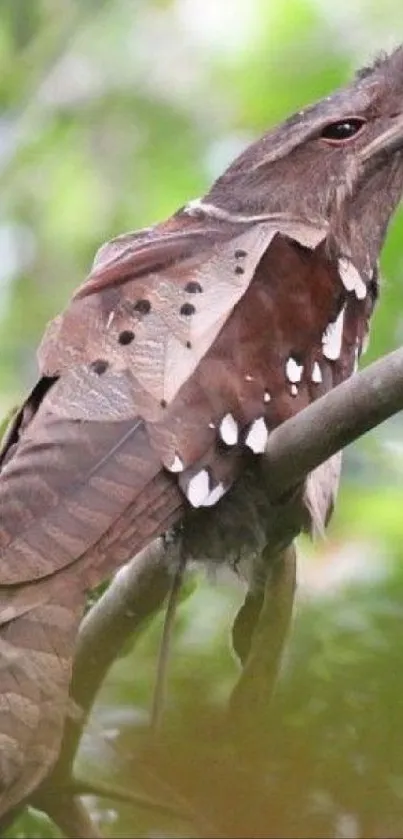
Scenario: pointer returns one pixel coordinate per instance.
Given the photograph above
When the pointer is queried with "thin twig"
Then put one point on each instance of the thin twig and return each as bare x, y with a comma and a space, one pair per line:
163, 656
71, 816
77, 788
255, 687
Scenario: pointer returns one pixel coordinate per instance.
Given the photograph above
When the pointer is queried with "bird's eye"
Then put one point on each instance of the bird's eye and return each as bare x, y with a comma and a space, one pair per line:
343, 130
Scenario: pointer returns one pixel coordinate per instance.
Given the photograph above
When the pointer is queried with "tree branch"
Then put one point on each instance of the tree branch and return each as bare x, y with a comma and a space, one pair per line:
294, 449
252, 693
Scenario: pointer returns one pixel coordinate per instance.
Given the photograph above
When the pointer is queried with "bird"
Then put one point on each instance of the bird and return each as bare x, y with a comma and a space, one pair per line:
161, 381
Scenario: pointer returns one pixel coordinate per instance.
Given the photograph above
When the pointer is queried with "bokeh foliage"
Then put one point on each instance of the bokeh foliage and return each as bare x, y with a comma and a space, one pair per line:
112, 114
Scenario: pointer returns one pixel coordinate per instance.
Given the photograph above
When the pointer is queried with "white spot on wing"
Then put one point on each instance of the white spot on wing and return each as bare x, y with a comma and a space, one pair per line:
110, 319
211, 425
294, 390
229, 430
316, 374
248, 378
198, 488
214, 495
266, 397
177, 465
351, 279
333, 337
257, 436
293, 370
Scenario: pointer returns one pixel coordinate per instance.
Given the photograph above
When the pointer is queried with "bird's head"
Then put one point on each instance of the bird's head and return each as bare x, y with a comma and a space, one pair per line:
339, 161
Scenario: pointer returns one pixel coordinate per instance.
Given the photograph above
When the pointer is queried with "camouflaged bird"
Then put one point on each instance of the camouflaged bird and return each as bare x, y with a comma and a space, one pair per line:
161, 381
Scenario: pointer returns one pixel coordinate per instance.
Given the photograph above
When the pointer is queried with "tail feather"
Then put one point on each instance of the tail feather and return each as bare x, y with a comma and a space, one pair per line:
35, 672
77, 500
36, 648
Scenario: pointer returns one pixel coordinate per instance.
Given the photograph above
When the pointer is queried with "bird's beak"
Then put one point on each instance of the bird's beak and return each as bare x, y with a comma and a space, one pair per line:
386, 144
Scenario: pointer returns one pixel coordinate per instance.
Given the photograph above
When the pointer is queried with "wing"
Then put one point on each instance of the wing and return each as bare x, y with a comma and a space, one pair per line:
118, 403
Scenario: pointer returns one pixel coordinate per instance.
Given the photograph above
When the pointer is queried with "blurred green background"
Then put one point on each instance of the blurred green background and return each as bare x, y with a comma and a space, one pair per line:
112, 114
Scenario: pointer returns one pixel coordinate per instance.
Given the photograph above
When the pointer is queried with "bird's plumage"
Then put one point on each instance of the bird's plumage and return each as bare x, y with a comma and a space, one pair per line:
162, 379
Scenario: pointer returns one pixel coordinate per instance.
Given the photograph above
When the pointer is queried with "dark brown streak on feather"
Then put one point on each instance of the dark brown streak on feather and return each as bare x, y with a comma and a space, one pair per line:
157, 254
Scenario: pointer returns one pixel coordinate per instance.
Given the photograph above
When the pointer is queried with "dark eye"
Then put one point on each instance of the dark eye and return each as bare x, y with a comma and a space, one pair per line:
345, 129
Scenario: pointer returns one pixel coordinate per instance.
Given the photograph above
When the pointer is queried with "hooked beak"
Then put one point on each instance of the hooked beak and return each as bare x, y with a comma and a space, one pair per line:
386, 144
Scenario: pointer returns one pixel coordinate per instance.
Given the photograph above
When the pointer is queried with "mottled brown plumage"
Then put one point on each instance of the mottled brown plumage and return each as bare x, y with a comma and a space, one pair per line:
162, 379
